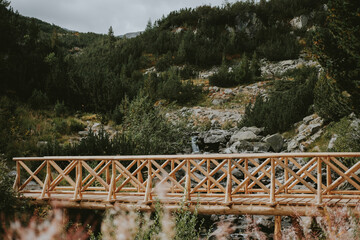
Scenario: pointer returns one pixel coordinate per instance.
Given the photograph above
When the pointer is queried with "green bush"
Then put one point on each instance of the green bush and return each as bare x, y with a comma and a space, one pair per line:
76, 126
287, 104
60, 125
164, 63
244, 72
187, 72
60, 108
170, 87
330, 102
8, 200
38, 100
223, 78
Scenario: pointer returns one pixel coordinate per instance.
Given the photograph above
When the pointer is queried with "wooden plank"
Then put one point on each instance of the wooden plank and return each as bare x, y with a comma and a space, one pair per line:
193, 156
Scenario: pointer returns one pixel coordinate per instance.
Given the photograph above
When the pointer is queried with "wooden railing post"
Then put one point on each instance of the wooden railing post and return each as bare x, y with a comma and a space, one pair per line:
139, 175
228, 197
173, 175
247, 182
111, 195
319, 181
272, 184
328, 176
107, 173
148, 198
77, 192
208, 170
46, 182
277, 229
286, 177
187, 181
17, 178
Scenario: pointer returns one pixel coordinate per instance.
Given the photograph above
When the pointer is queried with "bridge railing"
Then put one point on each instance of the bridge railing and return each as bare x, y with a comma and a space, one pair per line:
227, 177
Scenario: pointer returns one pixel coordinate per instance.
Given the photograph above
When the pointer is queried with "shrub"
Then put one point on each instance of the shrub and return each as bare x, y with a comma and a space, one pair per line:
164, 63
60, 108
38, 100
187, 72
76, 125
8, 200
329, 102
223, 78
287, 104
60, 126
171, 87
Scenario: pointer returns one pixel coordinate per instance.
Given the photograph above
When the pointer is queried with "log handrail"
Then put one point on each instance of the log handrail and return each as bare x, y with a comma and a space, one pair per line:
230, 177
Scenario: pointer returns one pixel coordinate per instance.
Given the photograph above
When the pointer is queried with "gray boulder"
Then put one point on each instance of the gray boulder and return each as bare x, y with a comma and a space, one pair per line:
299, 22
261, 147
247, 136
215, 136
241, 146
276, 142
255, 130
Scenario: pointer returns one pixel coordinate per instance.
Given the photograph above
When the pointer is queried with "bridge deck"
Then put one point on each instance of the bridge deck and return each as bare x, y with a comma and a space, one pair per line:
266, 184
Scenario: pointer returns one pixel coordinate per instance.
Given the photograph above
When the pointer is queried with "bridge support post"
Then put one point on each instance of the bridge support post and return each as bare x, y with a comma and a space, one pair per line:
148, 198
319, 181
187, 181
277, 229
228, 198
272, 184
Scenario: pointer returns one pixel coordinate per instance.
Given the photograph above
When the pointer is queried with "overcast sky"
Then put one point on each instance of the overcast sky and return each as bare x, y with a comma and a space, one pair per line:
98, 15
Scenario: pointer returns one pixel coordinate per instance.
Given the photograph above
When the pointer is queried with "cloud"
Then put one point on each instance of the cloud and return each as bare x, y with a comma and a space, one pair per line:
98, 15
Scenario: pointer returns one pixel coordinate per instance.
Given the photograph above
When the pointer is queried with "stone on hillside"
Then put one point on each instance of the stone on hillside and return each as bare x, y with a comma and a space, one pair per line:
261, 147
309, 118
299, 22
215, 136
218, 102
255, 130
247, 135
276, 142
40, 144
241, 146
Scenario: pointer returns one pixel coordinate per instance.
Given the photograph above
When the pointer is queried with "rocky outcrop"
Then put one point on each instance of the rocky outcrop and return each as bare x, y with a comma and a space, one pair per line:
270, 69
275, 141
248, 23
310, 128
299, 22
246, 139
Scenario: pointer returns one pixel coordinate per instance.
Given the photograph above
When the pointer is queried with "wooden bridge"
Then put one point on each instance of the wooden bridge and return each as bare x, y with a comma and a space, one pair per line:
266, 184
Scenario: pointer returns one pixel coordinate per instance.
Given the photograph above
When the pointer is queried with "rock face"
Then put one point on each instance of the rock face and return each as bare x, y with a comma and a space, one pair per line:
248, 23
276, 142
213, 139
308, 131
279, 68
247, 139
299, 22
243, 135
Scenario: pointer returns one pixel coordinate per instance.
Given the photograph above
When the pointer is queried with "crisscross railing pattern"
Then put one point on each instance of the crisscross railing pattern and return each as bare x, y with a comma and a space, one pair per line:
215, 179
